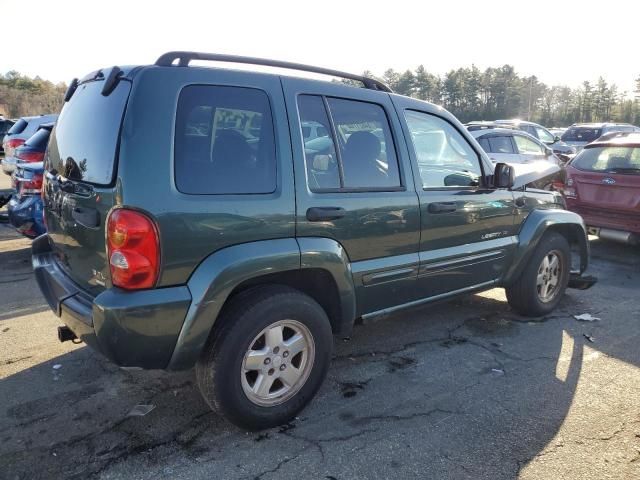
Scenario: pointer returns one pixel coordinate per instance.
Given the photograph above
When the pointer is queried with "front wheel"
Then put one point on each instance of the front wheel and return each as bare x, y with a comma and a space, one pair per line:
544, 279
268, 358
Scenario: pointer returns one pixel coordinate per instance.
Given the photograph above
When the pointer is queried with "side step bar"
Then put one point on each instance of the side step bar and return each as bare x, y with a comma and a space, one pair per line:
580, 282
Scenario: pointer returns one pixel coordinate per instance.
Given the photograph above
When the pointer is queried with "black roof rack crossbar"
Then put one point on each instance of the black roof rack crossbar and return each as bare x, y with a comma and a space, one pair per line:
184, 58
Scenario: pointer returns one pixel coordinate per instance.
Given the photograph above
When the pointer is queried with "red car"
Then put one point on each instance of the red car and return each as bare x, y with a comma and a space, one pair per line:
602, 184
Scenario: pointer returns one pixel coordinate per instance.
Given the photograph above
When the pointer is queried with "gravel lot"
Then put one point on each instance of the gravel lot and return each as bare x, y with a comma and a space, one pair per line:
464, 389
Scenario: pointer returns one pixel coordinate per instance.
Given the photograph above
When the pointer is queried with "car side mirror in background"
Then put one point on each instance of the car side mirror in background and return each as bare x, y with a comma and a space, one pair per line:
556, 139
503, 176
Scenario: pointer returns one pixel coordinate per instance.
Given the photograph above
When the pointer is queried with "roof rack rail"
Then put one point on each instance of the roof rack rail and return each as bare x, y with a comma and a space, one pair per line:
168, 59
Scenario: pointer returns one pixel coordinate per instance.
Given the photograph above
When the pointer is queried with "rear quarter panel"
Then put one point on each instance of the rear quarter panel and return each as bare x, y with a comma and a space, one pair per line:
193, 227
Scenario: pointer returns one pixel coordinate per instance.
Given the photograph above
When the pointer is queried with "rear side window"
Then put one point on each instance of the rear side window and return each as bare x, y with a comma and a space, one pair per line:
224, 141
84, 142
18, 127
500, 145
365, 156
39, 140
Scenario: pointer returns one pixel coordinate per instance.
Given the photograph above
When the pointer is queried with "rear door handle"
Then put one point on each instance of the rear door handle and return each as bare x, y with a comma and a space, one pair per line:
324, 214
442, 207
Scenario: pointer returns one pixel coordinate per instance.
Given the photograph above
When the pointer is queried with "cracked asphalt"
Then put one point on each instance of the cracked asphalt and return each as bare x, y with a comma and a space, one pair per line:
464, 389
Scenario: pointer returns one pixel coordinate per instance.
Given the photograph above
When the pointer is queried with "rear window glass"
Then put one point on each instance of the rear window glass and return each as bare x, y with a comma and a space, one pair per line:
609, 160
581, 134
224, 141
39, 140
18, 127
85, 139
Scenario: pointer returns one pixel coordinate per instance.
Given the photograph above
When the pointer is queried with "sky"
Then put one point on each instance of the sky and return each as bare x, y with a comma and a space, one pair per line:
562, 42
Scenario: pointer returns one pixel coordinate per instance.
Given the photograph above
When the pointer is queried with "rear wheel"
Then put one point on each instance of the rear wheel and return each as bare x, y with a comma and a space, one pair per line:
545, 278
268, 359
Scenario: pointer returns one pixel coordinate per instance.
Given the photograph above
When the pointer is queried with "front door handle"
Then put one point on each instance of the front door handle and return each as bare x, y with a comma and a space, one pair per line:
442, 207
325, 214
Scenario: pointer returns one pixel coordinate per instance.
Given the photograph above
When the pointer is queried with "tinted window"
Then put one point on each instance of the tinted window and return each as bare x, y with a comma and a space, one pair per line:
224, 141
39, 140
501, 145
445, 159
544, 135
366, 146
84, 141
484, 143
581, 134
320, 153
18, 127
609, 160
526, 145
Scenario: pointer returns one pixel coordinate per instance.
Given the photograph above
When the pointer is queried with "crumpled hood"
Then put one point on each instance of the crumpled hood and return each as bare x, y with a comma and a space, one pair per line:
526, 173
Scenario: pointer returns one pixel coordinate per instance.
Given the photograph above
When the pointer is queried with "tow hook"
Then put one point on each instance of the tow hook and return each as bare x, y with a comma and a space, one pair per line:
65, 334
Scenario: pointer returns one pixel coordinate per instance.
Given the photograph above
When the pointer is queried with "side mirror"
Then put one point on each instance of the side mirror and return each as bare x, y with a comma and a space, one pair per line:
556, 139
503, 176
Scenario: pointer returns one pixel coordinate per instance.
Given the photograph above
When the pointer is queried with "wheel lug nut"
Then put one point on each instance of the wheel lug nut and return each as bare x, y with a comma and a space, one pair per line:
276, 350
285, 354
271, 372
267, 361
283, 366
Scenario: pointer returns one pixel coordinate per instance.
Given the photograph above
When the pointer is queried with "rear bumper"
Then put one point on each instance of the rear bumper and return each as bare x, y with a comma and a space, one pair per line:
132, 329
613, 220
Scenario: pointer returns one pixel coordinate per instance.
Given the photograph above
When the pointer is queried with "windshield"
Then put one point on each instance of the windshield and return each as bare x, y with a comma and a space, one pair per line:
581, 134
625, 160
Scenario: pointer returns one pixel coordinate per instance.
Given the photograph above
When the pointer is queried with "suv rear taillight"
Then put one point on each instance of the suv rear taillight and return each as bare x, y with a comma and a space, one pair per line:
30, 187
14, 142
30, 157
133, 249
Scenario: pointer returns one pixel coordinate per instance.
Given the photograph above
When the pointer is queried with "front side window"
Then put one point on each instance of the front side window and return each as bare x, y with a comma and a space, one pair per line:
445, 159
527, 146
581, 134
362, 155
500, 145
544, 135
225, 141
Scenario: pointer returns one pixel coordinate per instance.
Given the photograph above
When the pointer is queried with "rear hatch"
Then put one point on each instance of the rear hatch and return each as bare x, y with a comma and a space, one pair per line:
80, 179
607, 180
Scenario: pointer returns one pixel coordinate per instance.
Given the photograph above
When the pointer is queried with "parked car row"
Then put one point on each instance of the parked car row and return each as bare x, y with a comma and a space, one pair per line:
25, 144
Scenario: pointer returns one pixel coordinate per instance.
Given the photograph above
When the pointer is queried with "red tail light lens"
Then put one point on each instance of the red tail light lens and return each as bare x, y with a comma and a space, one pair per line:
30, 157
133, 250
15, 142
32, 186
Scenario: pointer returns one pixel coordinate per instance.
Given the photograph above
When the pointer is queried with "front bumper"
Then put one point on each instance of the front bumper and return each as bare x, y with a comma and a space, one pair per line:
132, 329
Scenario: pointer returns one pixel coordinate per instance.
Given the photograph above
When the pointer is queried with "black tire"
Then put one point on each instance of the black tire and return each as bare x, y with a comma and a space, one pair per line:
218, 371
523, 295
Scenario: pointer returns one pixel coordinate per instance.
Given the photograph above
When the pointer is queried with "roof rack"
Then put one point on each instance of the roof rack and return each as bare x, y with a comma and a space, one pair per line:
168, 59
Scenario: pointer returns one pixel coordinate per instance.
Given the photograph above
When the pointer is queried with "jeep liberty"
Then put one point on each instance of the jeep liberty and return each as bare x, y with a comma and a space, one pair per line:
191, 223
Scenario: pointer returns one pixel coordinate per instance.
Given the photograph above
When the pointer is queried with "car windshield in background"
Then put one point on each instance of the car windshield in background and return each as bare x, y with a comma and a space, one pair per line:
625, 160
18, 127
581, 134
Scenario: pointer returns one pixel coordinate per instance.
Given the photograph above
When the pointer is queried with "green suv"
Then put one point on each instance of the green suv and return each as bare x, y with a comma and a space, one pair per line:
190, 223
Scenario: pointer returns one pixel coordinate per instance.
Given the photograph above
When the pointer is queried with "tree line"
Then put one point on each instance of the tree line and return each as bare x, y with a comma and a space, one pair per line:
22, 96
499, 93
469, 93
